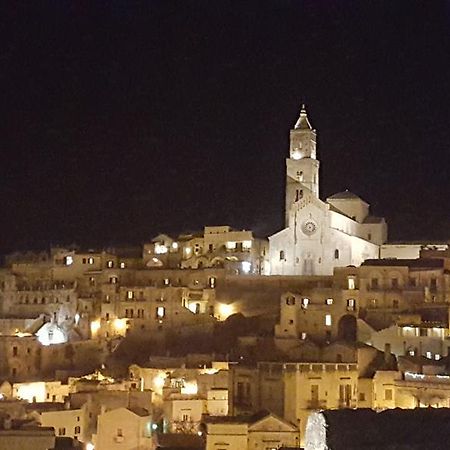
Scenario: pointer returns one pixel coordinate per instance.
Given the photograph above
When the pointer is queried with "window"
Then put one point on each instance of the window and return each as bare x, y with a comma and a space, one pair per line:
336, 254
329, 301
113, 280
433, 284
395, 304
413, 282
212, 282
160, 312
84, 260
15, 351
350, 304
351, 283
77, 430
290, 300
394, 283
110, 264
328, 320
166, 281
122, 265
90, 261
429, 355
119, 432
388, 394
362, 397
305, 302
13, 371
62, 431
369, 236
185, 417
130, 295
282, 256
374, 283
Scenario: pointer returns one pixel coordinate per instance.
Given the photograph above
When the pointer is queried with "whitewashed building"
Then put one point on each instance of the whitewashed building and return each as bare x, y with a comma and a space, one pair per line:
320, 235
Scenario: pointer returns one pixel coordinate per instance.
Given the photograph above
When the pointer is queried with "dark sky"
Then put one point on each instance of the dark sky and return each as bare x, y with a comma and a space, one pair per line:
123, 119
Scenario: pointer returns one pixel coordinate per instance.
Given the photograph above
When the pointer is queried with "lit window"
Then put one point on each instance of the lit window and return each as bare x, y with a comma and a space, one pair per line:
113, 280
328, 320
110, 264
437, 357
175, 245
351, 304
246, 245
90, 261
122, 265
329, 301
68, 260
305, 302
160, 249
188, 251
351, 283
166, 281
429, 355
303, 336
212, 282
130, 295
160, 312
231, 245
246, 266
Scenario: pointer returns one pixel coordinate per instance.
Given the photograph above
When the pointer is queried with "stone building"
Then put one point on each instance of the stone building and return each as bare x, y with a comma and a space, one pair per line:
320, 235
238, 251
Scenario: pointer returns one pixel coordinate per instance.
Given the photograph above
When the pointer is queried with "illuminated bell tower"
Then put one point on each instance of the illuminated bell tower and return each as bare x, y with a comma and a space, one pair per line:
302, 167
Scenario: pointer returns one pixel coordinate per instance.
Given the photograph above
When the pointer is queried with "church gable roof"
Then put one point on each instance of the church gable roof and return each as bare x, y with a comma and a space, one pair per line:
268, 421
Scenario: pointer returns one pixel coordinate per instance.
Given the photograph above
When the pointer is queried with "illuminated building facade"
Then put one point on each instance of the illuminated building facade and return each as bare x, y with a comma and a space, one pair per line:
318, 235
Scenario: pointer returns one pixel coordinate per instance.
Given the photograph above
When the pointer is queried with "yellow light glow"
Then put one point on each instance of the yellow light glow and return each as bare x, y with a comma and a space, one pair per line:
225, 311
120, 324
21, 334
188, 250
95, 326
90, 446
175, 245
189, 388
32, 391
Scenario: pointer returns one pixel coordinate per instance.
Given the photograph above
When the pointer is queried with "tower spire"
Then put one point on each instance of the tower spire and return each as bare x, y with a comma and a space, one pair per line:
303, 122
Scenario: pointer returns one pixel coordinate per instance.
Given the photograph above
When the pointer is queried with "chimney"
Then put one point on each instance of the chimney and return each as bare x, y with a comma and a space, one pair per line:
387, 353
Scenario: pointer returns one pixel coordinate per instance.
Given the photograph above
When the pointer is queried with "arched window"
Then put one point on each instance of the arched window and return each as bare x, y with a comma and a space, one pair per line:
336, 254
282, 256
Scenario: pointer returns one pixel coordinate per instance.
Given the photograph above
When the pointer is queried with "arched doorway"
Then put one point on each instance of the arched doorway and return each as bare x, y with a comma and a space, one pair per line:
347, 328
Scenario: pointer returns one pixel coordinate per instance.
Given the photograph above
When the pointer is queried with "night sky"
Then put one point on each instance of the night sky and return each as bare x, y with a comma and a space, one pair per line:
120, 120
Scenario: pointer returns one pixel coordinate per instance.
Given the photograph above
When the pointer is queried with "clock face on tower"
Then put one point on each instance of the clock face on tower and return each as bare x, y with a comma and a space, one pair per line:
309, 227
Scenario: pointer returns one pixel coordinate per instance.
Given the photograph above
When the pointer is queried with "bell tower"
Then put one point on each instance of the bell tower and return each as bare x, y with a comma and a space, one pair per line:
302, 167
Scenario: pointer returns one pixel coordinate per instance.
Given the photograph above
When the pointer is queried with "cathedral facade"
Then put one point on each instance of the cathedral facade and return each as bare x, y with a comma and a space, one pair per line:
320, 235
